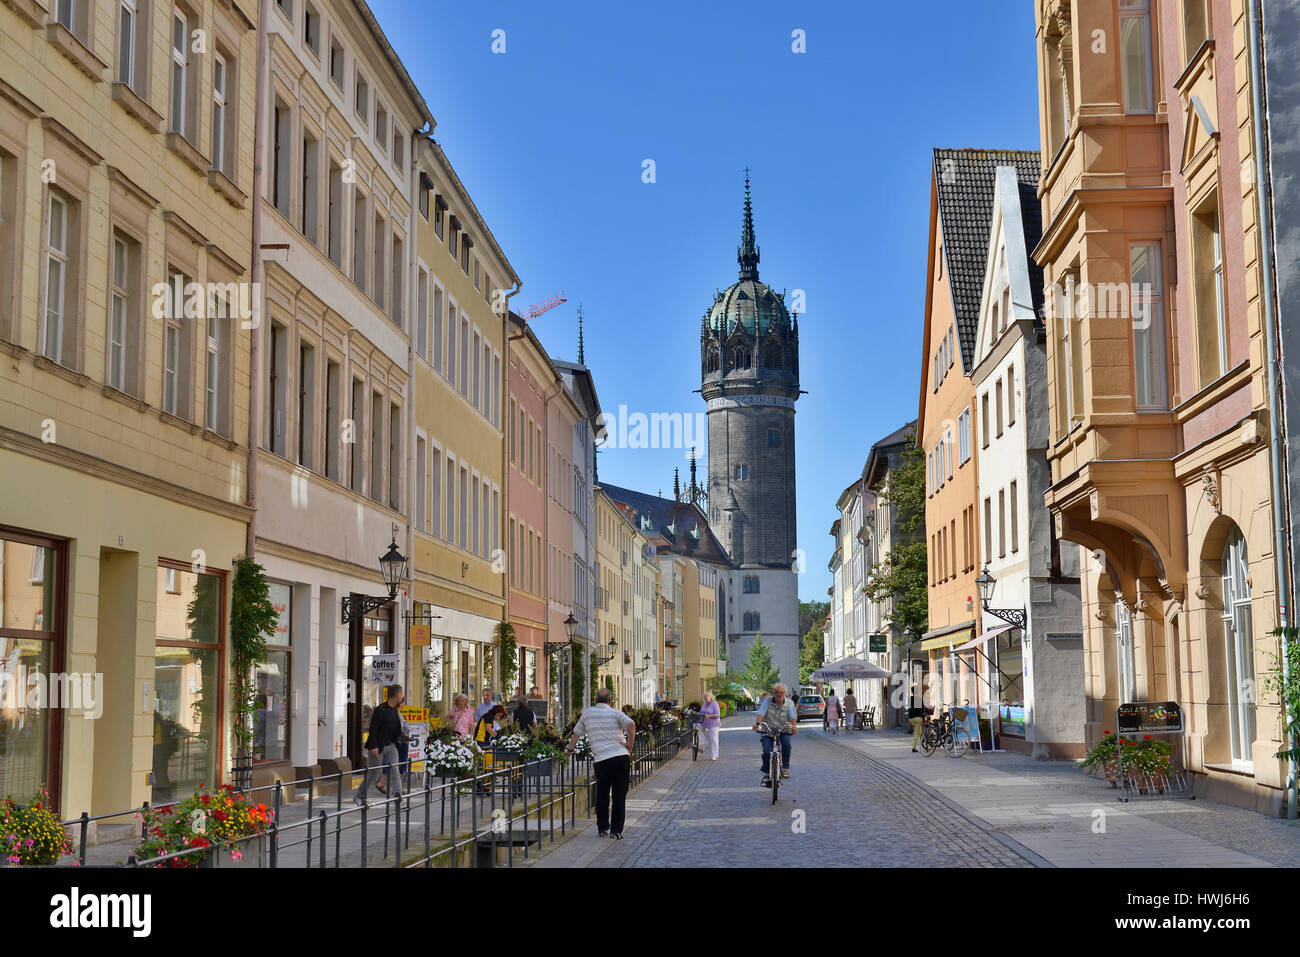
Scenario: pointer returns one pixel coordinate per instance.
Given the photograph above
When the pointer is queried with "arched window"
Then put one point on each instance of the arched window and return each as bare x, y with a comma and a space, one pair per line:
771, 355
740, 358
713, 362
1126, 662
1240, 646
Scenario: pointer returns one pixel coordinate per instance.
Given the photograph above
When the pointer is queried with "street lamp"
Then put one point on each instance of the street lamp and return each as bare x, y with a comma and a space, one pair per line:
393, 566
570, 625
645, 667
986, 583
613, 653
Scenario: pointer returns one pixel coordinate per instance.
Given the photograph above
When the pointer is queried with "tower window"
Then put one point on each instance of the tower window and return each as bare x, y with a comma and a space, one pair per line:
741, 473
740, 358
751, 622
774, 438
771, 356
751, 585
713, 361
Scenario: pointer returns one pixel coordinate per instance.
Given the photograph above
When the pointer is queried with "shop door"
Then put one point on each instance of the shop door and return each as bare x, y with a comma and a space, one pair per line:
367, 637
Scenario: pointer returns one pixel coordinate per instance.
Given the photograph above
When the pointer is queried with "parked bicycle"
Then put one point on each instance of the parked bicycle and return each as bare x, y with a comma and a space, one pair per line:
946, 730
694, 717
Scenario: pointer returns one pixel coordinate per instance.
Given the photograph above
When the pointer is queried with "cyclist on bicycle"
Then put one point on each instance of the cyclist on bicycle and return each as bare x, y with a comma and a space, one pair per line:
780, 714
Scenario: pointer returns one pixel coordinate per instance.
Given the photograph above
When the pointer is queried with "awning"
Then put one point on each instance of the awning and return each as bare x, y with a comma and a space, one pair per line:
947, 637
849, 669
976, 642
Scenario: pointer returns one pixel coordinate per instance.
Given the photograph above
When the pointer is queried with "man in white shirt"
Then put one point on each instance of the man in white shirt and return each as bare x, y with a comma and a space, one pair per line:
485, 705
781, 716
612, 754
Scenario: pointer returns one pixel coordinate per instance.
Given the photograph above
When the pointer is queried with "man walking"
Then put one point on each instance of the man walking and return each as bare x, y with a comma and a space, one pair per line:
916, 716
381, 743
605, 728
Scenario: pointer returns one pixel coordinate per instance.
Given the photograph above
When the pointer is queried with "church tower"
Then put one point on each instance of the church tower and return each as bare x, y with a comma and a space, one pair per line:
749, 356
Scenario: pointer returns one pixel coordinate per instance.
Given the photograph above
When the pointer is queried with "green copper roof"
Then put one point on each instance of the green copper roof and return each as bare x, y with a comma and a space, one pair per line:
747, 302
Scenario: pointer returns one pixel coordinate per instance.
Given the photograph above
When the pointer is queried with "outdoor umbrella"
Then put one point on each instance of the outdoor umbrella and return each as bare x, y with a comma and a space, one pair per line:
850, 669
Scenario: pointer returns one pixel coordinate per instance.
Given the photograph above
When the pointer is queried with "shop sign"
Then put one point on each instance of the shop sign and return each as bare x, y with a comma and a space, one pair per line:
417, 723
280, 595
419, 636
1149, 717
877, 644
383, 669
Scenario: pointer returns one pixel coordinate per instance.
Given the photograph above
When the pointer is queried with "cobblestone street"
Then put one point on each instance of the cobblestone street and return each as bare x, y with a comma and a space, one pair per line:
864, 800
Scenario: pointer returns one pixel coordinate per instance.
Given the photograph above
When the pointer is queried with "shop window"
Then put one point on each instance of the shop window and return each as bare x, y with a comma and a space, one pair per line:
1239, 647
187, 680
272, 683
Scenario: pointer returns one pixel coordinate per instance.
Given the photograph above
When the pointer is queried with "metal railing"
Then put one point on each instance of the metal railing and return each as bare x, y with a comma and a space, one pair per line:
507, 808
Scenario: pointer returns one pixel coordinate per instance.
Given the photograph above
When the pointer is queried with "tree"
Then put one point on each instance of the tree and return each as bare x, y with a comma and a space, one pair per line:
760, 673
901, 579
508, 646
812, 614
252, 620
812, 651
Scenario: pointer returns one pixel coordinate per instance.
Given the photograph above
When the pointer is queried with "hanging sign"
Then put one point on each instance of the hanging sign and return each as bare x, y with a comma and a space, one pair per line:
419, 636
383, 669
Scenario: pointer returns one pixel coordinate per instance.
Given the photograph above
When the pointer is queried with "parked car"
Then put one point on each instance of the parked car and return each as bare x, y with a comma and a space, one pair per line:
811, 706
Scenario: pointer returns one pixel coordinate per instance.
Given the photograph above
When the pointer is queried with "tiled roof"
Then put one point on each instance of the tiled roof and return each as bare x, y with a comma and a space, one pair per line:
878, 457
665, 512
966, 181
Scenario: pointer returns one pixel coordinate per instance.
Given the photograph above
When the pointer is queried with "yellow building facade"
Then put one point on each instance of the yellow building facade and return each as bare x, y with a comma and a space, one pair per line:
125, 306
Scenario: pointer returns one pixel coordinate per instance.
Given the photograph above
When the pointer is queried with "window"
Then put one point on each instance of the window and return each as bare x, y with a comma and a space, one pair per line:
1196, 26
474, 515
1015, 520
273, 717
435, 491
381, 126
58, 339
176, 348
464, 355
750, 584
1148, 326
332, 423
947, 453
216, 396
219, 112
963, 436
395, 457
336, 63
450, 532
286, 7
437, 328
357, 472
476, 275
361, 100
1125, 660
124, 316
997, 398
774, 438
1135, 55
306, 404
420, 504
485, 539
1208, 293
359, 240
1002, 523
451, 345
399, 151
335, 239
422, 314
426, 191
281, 147
437, 216
311, 29
278, 374
451, 239
984, 420
741, 473
988, 529
182, 117
464, 256
474, 384
381, 247
1239, 649
751, 621
397, 267
496, 391
377, 447
1011, 395
132, 45
464, 508
311, 188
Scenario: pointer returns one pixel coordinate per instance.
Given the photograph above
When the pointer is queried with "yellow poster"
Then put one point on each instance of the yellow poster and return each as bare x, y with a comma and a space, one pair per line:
419, 636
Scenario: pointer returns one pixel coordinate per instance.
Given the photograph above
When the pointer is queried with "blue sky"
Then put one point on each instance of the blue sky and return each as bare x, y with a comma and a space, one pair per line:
549, 138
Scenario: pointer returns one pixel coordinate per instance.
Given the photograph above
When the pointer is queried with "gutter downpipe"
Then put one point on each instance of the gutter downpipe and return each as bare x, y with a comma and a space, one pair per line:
412, 393
505, 451
257, 275
1281, 538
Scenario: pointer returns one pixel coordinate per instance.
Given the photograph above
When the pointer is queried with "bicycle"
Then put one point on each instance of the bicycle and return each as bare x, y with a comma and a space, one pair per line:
774, 767
946, 730
694, 717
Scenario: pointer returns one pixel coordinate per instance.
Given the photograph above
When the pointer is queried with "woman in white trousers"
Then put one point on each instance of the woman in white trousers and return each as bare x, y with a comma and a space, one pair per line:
710, 718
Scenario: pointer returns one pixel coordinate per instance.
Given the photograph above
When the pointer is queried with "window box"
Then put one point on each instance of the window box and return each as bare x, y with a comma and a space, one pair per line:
71, 46
150, 118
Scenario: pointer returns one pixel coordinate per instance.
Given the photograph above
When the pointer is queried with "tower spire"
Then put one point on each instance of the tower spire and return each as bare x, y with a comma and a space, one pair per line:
747, 254
580, 351
677, 486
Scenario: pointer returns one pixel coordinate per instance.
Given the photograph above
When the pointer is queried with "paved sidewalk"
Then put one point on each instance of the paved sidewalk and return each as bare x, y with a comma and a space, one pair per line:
1057, 811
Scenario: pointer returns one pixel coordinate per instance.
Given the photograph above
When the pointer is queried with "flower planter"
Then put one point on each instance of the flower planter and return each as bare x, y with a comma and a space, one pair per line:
252, 851
542, 769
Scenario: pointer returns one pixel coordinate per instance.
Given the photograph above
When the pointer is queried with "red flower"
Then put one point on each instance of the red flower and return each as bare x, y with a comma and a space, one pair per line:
1146, 737
1105, 732
205, 798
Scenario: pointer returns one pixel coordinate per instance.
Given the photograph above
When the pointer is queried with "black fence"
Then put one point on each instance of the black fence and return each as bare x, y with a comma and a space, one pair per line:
483, 820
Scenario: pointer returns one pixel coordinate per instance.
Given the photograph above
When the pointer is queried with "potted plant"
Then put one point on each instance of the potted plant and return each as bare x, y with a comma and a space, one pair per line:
31, 833
226, 825
448, 755
1103, 757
